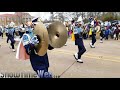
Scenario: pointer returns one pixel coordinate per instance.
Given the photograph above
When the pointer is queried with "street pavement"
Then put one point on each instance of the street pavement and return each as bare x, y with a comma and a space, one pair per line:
103, 61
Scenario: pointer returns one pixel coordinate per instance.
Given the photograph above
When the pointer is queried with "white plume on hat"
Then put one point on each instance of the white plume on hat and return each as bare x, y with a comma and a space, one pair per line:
92, 23
80, 20
36, 20
12, 24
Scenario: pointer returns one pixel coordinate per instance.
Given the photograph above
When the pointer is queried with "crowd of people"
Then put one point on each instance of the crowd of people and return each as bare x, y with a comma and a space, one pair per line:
106, 30
87, 31
79, 31
11, 31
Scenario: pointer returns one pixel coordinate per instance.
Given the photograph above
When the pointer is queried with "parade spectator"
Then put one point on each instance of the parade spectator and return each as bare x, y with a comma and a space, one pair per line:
113, 27
116, 32
107, 32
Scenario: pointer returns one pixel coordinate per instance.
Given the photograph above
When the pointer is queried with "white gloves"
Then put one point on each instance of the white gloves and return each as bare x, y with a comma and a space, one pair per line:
34, 40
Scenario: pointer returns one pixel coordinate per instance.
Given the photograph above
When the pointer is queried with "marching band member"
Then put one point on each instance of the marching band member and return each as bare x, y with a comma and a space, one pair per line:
38, 63
79, 42
6, 32
29, 28
22, 30
1, 31
101, 34
11, 31
93, 35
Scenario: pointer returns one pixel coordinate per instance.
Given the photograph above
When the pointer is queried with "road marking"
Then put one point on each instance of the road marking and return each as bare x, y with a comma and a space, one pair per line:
106, 59
93, 54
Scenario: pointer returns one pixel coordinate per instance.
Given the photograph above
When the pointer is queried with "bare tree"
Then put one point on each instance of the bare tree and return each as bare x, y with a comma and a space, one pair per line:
19, 15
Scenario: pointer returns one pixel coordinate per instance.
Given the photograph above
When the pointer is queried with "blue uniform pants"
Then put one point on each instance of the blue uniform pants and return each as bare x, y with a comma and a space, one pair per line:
81, 48
12, 41
106, 36
93, 39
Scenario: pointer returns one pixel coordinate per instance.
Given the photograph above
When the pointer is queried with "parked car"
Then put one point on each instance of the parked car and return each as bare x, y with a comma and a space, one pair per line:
114, 22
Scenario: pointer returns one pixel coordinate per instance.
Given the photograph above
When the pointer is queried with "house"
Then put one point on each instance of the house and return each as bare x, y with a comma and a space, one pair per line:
17, 18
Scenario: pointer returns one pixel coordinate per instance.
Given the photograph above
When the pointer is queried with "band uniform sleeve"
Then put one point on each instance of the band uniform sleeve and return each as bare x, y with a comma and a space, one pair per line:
75, 31
28, 48
25, 39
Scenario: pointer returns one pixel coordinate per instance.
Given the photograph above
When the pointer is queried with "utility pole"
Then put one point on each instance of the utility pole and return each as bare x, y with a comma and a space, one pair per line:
51, 15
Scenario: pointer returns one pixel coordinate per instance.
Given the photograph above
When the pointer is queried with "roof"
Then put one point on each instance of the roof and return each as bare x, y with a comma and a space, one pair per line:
16, 14
21, 13
7, 15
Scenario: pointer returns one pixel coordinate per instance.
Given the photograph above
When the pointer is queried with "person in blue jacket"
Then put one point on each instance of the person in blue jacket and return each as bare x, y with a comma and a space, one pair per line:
79, 42
107, 32
11, 32
40, 64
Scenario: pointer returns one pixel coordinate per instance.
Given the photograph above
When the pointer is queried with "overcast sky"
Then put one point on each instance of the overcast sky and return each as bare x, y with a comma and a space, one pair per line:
43, 15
